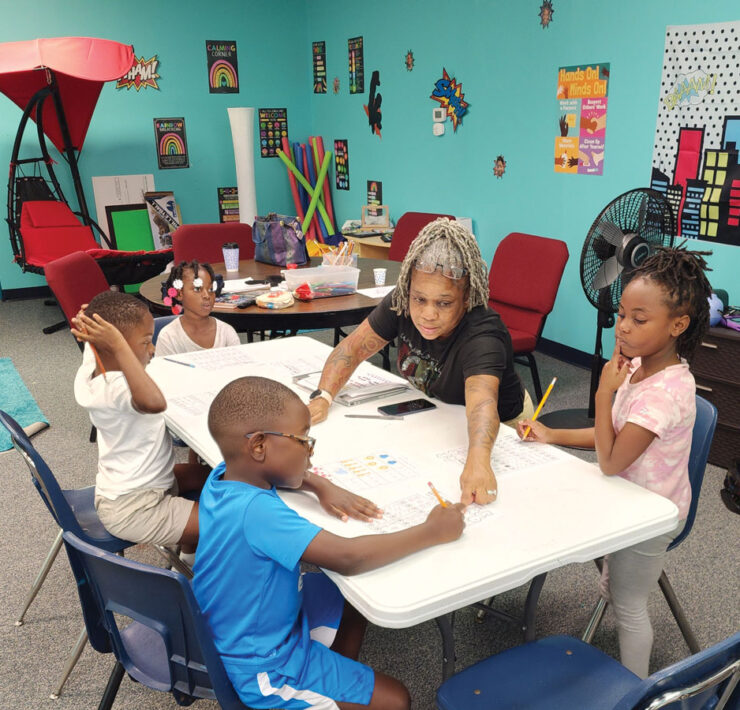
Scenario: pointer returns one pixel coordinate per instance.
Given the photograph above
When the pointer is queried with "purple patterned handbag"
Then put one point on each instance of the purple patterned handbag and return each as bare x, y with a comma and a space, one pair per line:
279, 240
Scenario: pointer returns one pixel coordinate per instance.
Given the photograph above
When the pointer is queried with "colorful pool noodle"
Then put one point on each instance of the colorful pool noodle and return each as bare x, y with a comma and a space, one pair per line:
293, 184
302, 181
310, 217
312, 169
300, 157
327, 188
297, 160
317, 191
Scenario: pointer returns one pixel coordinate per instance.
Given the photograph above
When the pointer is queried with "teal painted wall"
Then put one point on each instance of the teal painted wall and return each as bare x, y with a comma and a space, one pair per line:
121, 136
505, 60
507, 64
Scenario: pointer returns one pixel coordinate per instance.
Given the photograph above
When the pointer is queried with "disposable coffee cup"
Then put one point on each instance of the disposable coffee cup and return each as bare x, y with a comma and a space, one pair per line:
379, 276
231, 256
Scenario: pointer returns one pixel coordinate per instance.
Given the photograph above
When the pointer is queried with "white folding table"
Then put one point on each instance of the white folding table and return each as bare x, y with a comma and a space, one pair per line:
546, 515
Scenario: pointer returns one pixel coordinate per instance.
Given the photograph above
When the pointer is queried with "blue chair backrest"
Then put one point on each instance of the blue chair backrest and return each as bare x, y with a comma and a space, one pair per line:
159, 323
162, 603
713, 671
44, 480
701, 441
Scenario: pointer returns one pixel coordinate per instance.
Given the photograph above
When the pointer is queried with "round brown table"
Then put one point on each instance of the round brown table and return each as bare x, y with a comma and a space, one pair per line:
334, 312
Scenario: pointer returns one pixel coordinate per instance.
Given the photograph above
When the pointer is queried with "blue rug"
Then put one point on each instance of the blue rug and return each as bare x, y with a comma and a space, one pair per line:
16, 400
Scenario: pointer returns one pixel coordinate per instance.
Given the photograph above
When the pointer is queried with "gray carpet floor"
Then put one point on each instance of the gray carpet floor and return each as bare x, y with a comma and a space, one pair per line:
704, 570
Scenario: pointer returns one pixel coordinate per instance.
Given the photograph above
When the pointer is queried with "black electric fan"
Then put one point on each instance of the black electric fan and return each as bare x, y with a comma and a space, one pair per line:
623, 235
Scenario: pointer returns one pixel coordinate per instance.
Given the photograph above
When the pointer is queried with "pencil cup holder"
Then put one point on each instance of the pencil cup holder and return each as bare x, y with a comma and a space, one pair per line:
330, 259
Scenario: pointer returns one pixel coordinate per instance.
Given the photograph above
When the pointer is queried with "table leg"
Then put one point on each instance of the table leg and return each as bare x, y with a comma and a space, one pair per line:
446, 624
530, 607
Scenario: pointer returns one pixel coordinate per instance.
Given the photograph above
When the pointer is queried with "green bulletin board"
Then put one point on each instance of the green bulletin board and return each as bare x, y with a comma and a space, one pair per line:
129, 230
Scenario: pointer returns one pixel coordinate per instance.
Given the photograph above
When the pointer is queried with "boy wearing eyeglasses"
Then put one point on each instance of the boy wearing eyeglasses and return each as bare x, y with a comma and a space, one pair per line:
451, 346
288, 640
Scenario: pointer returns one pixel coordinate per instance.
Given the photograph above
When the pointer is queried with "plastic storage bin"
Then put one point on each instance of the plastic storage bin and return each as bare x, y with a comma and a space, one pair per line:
322, 281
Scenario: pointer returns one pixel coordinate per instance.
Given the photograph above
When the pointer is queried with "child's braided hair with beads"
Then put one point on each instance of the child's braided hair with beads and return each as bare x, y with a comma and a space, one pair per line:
173, 284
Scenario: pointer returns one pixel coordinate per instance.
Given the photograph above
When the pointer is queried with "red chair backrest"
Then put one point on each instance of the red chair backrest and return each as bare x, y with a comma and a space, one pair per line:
524, 279
203, 241
50, 230
75, 279
407, 229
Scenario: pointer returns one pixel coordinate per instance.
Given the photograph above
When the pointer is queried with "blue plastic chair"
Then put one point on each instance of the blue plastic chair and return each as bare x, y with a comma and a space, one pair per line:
701, 441
563, 673
167, 646
159, 323
73, 510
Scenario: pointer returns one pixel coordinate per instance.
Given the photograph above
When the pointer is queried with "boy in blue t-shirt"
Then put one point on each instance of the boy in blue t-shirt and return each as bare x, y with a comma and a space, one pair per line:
271, 624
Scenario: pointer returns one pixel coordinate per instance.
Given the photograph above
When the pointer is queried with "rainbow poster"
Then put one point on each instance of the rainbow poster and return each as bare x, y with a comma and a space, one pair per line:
341, 164
273, 128
223, 69
172, 146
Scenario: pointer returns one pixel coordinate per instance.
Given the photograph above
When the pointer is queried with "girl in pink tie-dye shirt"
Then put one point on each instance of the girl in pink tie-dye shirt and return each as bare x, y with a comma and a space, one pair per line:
644, 433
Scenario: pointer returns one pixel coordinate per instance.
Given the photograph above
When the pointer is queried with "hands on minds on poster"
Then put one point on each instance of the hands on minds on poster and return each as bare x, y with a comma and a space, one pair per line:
581, 129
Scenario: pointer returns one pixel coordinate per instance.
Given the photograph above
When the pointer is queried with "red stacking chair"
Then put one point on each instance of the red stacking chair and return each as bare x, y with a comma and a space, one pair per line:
203, 241
407, 228
74, 279
524, 279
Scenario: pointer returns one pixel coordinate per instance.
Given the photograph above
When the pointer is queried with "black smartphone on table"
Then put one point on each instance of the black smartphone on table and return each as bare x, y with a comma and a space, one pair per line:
410, 406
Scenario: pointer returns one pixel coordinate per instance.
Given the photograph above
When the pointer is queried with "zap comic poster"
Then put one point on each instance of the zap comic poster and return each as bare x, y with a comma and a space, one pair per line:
319, 67
697, 133
228, 204
273, 128
172, 146
356, 66
223, 68
341, 164
582, 96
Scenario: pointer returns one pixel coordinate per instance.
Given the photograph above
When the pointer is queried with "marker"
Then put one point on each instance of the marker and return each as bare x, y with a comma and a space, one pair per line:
372, 416
179, 362
539, 406
441, 500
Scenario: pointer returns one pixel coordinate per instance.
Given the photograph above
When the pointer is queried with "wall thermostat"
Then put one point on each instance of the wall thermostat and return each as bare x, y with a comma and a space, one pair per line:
438, 129
439, 115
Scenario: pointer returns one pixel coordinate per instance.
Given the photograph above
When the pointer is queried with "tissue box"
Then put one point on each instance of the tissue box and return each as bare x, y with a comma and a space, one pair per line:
321, 281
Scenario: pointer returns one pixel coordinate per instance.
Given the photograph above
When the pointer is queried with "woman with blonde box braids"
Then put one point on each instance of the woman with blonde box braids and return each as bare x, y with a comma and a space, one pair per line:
451, 346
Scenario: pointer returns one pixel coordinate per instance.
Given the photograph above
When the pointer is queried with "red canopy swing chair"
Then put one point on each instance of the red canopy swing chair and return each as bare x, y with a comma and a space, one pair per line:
56, 82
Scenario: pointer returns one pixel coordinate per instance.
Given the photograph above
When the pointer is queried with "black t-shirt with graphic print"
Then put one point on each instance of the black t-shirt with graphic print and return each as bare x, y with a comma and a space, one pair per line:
479, 345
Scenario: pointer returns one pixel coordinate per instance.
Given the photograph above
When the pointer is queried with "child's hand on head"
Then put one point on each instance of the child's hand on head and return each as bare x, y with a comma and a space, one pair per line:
344, 505
537, 432
615, 372
98, 332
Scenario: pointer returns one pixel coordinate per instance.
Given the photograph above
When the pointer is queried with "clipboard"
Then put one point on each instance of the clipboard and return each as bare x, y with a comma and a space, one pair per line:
351, 394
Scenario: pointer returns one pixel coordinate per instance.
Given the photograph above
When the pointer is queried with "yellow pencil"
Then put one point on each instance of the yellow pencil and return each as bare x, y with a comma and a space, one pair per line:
441, 500
540, 405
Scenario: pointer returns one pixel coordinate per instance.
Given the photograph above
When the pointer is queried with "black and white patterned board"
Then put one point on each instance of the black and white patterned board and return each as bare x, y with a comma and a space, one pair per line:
715, 50
697, 135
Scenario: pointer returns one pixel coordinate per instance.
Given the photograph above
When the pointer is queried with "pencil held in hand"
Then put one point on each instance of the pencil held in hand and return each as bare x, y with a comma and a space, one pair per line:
441, 500
540, 405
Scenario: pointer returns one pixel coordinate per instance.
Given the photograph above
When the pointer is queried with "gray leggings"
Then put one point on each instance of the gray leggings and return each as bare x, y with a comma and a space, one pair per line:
628, 578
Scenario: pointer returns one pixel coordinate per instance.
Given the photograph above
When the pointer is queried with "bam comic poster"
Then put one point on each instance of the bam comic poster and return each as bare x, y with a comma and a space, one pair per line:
580, 140
697, 133
223, 68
